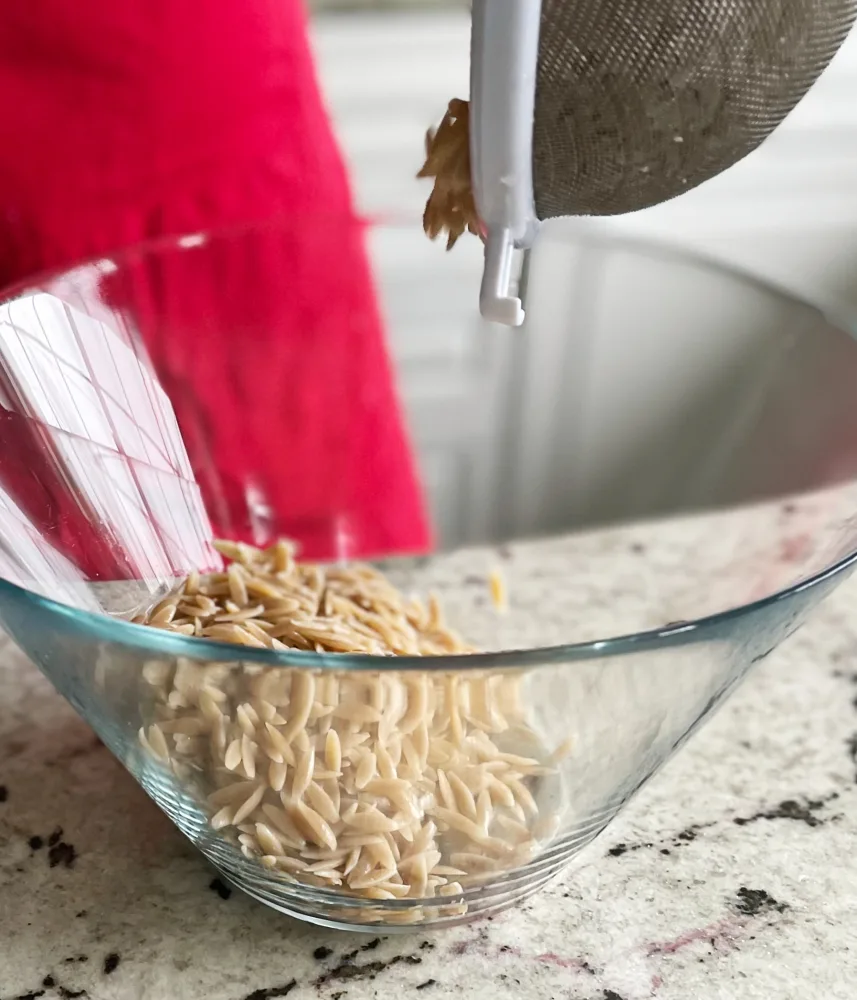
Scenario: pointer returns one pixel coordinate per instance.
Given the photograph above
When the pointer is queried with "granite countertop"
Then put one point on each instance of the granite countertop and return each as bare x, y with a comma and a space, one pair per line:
731, 875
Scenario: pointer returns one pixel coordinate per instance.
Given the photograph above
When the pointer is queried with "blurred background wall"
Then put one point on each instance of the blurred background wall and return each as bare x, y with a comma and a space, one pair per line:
355, 6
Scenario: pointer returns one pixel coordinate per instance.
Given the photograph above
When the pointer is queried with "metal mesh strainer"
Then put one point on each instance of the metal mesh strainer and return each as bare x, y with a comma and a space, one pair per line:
639, 100
599, 107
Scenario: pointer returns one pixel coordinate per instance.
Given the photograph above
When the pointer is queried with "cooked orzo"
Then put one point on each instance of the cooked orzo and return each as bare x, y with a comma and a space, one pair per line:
381, 784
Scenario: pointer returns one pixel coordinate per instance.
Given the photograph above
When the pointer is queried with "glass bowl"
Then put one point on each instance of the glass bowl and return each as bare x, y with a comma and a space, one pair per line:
634, 498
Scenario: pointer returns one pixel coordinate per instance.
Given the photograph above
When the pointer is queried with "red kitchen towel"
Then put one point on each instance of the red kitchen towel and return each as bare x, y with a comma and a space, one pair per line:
123, 122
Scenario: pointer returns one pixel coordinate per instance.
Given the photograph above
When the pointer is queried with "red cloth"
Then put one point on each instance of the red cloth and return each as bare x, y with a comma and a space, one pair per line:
124, 121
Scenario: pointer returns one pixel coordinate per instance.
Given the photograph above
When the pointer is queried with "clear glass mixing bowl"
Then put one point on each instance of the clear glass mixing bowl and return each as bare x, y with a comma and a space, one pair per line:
655, 476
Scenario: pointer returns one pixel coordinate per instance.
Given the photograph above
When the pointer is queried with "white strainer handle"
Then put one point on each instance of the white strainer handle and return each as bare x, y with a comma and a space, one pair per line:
504, 52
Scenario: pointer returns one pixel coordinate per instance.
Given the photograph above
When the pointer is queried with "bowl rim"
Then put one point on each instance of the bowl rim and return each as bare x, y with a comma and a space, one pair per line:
586, 230
153, 641
105, 627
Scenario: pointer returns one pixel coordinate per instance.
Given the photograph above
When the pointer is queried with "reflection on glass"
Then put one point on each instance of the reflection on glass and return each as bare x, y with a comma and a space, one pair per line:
92, 457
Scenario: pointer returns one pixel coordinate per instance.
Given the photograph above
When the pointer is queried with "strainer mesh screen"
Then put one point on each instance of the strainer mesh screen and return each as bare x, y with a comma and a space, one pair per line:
640, 100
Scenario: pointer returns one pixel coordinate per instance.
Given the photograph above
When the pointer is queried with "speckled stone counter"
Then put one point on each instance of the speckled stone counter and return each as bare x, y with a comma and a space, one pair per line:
731, 876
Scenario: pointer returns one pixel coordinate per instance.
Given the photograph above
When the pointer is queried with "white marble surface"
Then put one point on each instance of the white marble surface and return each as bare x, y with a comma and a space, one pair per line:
731, 875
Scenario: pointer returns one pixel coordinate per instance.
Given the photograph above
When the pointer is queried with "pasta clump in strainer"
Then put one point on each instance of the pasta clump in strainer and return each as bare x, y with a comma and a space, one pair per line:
451, 208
